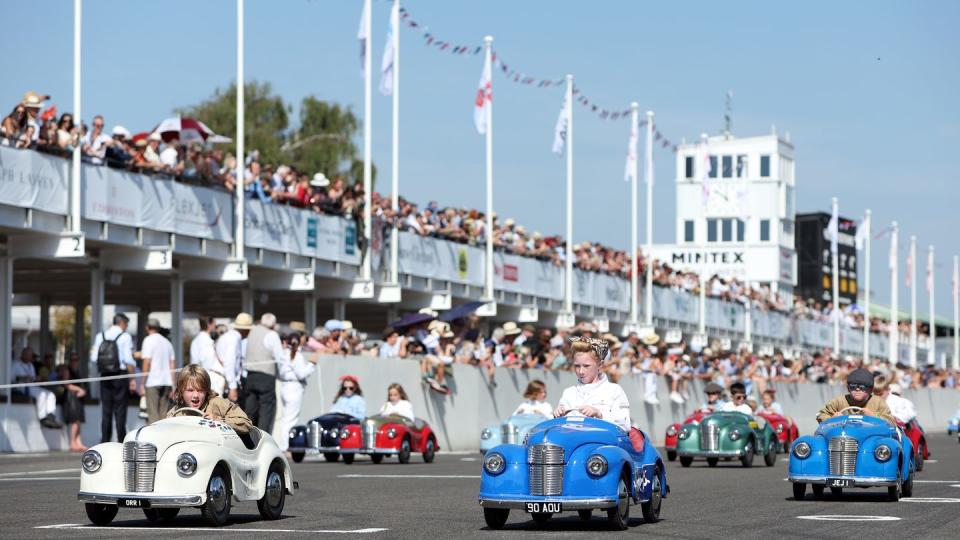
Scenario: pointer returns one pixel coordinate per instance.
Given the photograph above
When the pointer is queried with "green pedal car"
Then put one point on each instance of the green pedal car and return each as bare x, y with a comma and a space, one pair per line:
727, 435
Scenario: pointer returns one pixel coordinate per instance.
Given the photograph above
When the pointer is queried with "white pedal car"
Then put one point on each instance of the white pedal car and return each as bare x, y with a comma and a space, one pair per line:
186, 461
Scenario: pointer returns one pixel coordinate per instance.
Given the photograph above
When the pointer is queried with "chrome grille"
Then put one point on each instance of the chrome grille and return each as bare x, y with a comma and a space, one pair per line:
313, 434
139, 466
369, 434
546, 469
709, 437
508, 434
843, 456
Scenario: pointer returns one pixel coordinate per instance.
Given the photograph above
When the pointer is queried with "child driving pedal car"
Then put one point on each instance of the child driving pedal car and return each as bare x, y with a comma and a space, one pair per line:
859, 388
193, 391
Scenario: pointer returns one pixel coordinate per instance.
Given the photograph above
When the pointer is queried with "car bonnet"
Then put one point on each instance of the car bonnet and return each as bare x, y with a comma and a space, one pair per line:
571, 432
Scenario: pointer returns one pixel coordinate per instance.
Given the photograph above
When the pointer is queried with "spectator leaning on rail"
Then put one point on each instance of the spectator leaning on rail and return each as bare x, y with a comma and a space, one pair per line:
113, 353
859, 387
264, 353
159, 363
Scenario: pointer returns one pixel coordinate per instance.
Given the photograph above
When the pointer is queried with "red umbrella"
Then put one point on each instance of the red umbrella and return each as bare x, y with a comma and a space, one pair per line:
187, 130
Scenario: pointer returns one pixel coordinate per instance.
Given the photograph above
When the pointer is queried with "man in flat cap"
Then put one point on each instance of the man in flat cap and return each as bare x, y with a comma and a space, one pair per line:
859, 394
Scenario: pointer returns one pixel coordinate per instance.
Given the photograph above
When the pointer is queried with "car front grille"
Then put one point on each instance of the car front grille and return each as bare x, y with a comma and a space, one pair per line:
508, 433
313, 434
369, 434
709, 437
139, 466
546, 469
843, 456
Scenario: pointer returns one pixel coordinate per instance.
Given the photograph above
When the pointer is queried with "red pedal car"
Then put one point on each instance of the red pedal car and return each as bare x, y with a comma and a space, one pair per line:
785, 429
915, 432
379, 436
670, 441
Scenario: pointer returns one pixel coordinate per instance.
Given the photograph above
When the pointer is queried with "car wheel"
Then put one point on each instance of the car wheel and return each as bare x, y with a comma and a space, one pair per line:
585, 515
377, 458
712, 461
404, 454
651, 508
921, 448
747, 458
799, 490
685, 461
216, 510
619, 515
271, 504
893, 492
429, 452
836, 491
496, 518
671, 455
168, 514
907, 488
348, 459
541, 517
297, 456
101, 514
331, 456
152, 514
770, 459
817, 490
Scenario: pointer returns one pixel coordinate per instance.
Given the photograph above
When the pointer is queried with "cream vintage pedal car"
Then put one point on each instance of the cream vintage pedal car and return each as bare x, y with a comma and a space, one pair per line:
185, 462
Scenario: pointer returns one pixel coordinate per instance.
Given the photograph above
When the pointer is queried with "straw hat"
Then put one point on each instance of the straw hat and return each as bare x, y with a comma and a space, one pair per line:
320, 180
651, 339
298, 326
243, 322
511, 329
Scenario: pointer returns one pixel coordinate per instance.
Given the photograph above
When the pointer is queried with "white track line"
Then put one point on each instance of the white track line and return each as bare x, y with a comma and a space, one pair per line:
36, 479
841, 517
408, 476
935, 481
931, 500
48, 471
218, 530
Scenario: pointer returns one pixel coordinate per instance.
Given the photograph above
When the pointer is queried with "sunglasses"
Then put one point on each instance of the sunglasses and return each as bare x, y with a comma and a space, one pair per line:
861, 387
739, 396
351, 388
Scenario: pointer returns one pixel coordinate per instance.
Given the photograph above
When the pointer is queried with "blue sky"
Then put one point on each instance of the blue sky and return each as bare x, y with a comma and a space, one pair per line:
866, 90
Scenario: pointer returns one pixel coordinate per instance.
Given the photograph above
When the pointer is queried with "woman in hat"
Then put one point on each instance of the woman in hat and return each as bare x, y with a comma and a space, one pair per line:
349, 398
594, 395
293, 373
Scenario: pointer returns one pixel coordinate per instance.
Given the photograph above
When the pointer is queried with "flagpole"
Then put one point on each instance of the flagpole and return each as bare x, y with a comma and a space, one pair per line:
835, 262
894, 294
488, 288
956, 312
75, 191
932, 333
395, 172
366, 269
648, 174
913, 301
568, 273
868, 224
239, 233
703, 252
634, 242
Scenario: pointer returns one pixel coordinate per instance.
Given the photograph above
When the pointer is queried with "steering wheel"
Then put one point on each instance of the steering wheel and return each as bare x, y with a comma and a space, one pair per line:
852, 407
192, 410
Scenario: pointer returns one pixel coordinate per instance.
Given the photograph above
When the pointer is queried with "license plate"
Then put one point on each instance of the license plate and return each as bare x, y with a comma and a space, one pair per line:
839, 482
544, 507
133, 503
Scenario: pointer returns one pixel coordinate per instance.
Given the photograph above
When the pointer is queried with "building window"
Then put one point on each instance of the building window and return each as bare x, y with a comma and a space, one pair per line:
741, 166
711, 230
765, 166
688, 230
741, 227
764, 230
727, 166
713, 166
726, 234
688, 167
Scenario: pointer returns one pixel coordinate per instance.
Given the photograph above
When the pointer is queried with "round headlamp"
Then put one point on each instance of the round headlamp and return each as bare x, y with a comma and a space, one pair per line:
486, 433
734, 435
801, 450
684, 433
91, 461
883, 453
334, 433
779, 428
494, 463
672, 430
597, 465
186, 465
391, 433
344, 433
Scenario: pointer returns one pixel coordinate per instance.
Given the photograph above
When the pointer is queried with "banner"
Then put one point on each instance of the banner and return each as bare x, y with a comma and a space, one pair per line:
526, 275
424, 256
302, 232
30, 179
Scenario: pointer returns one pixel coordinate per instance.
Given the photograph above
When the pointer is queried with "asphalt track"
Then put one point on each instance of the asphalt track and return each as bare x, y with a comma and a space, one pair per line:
38, 500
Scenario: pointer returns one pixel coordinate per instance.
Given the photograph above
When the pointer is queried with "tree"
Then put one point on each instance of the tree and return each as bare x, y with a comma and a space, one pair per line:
324, 140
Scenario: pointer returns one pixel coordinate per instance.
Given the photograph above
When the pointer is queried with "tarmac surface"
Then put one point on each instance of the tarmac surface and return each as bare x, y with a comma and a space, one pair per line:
389, 500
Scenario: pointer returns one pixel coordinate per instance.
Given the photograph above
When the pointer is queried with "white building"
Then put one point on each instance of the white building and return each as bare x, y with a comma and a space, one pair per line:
735, 210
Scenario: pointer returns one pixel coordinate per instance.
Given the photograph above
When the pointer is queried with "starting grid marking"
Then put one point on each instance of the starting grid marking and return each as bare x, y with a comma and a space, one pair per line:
217, 530
473, 476
48, 471
841, 517
40, 479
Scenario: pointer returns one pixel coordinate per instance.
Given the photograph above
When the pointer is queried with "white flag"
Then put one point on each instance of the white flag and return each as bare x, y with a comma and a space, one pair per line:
560, 131
386, 64
929, 270
628, 174
484, 98
362, 34
832, 232
861, 238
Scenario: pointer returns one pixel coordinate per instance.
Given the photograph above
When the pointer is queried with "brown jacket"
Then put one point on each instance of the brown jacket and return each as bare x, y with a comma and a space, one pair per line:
876, 405
222, 410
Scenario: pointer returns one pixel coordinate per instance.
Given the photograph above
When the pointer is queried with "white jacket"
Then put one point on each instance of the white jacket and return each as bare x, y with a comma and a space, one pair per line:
605, 396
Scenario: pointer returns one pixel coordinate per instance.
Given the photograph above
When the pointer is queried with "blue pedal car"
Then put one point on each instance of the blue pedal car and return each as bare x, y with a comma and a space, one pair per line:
573, 464
853, 451
511, 431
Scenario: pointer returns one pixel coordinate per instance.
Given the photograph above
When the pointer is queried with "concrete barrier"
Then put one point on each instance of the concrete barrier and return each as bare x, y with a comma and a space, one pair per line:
459, 417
